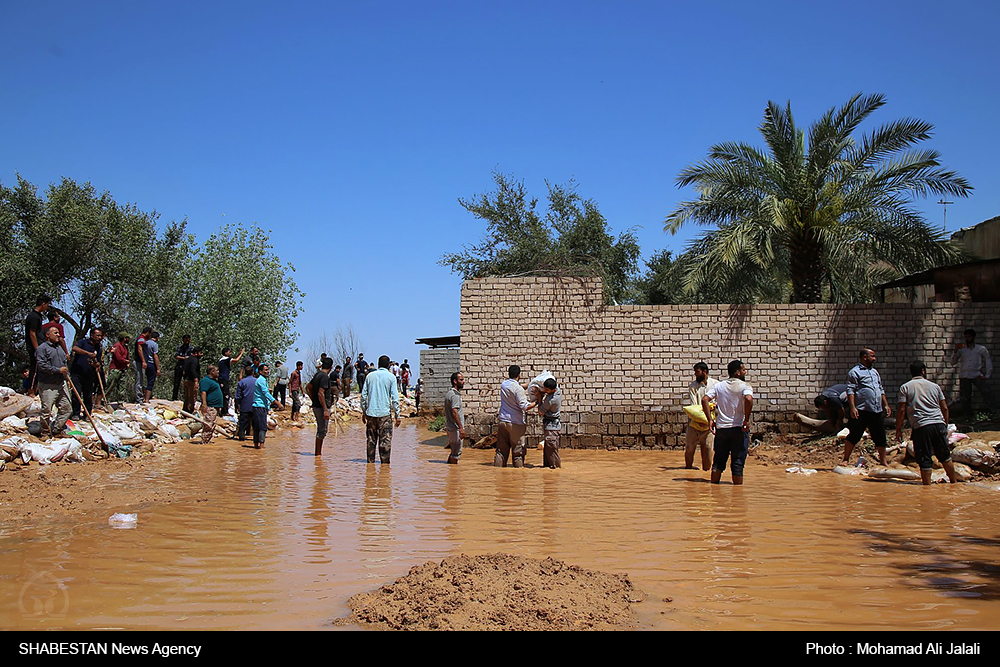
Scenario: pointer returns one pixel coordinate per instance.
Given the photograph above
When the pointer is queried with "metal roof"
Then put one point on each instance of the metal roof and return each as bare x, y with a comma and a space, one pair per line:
441, 341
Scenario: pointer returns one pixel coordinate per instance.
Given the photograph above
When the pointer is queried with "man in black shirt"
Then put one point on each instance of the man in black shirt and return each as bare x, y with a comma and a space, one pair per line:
319, 389
33, 335
225, 368
192, 374
361, 368
88, 356
180, 356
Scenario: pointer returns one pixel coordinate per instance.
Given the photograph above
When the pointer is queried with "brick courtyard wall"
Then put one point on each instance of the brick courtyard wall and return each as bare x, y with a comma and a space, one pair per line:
624, 370
436, 367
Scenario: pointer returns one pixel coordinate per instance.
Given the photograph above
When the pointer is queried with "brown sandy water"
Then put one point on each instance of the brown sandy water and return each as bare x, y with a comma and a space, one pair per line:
277, 539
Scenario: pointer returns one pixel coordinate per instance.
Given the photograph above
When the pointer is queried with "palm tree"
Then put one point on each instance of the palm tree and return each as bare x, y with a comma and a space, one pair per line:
832, 218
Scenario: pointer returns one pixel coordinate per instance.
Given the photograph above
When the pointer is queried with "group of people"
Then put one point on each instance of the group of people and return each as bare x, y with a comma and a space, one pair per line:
861, 402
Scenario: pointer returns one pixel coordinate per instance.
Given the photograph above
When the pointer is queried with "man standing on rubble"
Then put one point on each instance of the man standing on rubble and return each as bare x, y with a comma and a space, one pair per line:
694, 437
88, 354
225, 370
192, 376
33, 335
139, 362
295, 387
345, 378
379, 398
974, 369
361, 366
118, 368
867, 406
281, 382
52, 377
511, 427
923, 403
731, 426
152, 362
180, 356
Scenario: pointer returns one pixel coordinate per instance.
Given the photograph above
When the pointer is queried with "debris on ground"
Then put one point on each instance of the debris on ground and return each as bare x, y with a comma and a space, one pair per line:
498, 592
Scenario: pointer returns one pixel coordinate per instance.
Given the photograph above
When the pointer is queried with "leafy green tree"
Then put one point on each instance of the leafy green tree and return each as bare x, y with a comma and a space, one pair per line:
239, 294
661, 283
827, 219
570, 239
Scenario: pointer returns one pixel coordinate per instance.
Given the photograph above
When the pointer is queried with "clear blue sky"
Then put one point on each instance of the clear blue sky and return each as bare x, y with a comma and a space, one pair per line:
349, 126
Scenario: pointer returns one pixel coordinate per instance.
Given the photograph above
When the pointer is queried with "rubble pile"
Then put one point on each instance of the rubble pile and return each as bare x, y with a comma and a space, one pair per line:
129, 431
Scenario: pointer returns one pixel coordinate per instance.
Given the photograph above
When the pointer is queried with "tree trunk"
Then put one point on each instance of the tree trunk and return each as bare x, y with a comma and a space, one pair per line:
807, 269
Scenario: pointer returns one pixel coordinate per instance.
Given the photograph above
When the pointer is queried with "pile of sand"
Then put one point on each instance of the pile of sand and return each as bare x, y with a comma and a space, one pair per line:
498, 592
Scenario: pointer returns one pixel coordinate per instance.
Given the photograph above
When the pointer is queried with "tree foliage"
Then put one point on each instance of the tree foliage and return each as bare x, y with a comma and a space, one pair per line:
108, 264
571, 238
824, 219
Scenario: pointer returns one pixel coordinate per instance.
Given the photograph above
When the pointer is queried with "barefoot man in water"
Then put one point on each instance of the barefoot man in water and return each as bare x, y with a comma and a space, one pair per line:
733, 404
923, 403
867, 406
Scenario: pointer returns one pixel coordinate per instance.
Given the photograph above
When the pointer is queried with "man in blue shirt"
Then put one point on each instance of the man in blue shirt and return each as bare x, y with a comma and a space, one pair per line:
867, 406
379, 398
262, 401
244, 402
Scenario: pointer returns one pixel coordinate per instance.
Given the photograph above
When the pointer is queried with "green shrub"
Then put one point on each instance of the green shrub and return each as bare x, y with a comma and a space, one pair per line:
437, 423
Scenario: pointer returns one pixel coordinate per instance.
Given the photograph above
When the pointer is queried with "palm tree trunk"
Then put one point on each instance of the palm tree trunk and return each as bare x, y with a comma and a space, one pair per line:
807, 270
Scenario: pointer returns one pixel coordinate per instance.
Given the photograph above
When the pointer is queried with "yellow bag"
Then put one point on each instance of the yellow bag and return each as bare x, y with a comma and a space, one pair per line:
697, 416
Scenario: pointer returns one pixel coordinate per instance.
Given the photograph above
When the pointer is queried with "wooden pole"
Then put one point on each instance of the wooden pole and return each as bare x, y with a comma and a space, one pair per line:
89, 416
226, 426
104, 394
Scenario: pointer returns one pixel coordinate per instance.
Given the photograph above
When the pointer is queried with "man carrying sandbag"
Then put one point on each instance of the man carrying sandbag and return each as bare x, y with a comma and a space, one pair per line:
924, 404
733, 404
698, 434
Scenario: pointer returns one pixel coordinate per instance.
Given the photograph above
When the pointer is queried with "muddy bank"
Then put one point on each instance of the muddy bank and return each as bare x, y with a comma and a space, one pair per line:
498, 592
38, 491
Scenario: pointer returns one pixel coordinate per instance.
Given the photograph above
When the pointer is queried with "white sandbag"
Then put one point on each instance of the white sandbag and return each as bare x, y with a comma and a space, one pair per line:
849, 470
799, 470
978, 455
271, 423
123, 431
894, 473
15, 422
992, 486
46, 454
123, 521
957, 437
169, 430
6, 391
535, 386
110, 438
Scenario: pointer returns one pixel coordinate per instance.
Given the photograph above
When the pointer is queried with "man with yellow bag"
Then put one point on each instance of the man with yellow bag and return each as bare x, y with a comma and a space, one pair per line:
698, 432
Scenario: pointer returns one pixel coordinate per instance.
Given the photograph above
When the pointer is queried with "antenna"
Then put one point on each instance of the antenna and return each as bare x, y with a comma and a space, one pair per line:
944, 204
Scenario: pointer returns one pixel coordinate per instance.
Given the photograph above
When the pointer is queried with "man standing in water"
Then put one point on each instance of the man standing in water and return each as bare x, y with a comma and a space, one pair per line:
295, 387
454, 421
923, 403
867, 406
731, 426
379, 397
319, 389
695, 438
511, 427
244, 402
549, 407
262, 402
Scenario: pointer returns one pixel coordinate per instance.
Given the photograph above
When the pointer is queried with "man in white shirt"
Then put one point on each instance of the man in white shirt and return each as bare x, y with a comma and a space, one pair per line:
511, 427
733, 404
974, 368
699, 436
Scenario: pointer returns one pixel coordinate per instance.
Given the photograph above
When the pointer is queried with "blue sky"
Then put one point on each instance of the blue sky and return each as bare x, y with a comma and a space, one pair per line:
351, 129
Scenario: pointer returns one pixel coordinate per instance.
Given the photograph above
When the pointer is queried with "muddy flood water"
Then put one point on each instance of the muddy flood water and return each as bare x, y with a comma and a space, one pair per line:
277, 539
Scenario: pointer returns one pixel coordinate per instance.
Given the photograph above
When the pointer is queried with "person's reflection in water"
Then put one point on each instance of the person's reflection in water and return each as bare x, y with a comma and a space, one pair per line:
377, 515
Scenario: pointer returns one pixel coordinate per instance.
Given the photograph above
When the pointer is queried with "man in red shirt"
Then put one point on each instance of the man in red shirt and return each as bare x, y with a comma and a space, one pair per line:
119, 369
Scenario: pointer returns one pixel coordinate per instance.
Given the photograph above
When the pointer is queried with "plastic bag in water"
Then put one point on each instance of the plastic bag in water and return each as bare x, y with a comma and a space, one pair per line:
123, 520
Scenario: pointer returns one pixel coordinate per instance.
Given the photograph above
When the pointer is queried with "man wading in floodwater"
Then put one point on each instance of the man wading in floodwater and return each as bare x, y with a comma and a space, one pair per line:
733, 404
379, 397
513, 404
319, 390
923, 402
867, 406
454, 421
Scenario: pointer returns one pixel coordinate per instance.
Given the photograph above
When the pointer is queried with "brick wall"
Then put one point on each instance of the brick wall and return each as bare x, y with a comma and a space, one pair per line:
624, 370
436, 367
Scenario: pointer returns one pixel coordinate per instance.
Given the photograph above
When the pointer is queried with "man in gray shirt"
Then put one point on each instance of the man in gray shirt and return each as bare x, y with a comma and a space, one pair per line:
52, 374
454, 420
549, 407
974, 368
866, 403
923, 402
